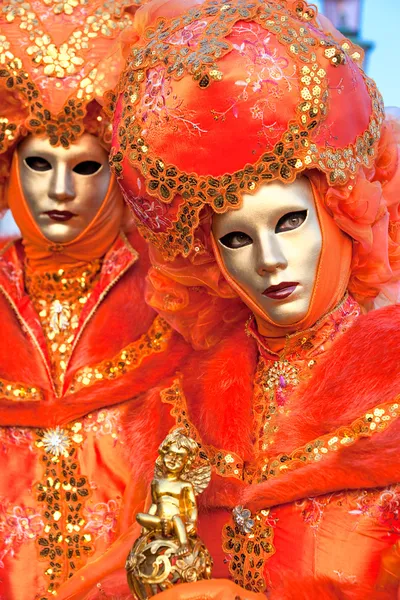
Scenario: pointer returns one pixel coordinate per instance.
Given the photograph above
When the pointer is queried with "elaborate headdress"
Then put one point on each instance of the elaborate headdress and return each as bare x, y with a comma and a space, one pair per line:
57, 58
221, 97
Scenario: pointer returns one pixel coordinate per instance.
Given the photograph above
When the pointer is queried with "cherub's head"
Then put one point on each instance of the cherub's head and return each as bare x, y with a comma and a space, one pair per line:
178, 452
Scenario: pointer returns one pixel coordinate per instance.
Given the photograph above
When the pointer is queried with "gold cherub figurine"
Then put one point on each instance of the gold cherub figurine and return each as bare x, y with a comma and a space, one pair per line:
169, 550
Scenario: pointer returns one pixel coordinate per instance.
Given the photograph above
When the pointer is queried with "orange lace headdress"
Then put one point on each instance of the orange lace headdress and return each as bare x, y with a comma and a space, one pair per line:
221, 97
57, 58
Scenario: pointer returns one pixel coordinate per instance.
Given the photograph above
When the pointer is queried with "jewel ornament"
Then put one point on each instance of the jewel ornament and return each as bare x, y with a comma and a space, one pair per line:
56, 441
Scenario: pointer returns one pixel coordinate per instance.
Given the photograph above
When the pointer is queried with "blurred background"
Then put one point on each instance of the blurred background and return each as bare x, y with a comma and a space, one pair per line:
374, 25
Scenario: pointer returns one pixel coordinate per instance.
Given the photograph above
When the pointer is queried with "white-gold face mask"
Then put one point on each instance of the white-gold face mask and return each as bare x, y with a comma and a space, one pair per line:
271, 248
64, 188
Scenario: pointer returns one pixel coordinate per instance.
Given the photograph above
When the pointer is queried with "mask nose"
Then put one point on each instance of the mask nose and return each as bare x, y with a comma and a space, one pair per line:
62, 188
270, 257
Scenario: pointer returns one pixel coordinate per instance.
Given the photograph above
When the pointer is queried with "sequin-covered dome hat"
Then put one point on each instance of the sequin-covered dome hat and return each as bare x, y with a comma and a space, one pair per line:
228, 96
57, 58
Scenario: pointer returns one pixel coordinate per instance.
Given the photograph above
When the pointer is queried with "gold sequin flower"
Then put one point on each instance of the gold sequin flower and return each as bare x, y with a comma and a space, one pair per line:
162, 179
57, 62
66, 6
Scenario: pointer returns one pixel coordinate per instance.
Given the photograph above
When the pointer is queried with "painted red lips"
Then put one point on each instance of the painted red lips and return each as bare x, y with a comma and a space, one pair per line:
60, 216
281, 291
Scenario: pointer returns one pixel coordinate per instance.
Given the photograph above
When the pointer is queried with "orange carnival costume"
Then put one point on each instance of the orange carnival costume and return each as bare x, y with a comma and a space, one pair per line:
71, 355
219, 101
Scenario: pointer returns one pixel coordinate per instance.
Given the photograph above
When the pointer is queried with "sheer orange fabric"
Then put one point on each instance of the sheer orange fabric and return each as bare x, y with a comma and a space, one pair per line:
92, 243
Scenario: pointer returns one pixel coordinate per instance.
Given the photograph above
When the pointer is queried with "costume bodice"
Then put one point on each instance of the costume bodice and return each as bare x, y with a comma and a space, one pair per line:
279, 374
59, 298
256, 547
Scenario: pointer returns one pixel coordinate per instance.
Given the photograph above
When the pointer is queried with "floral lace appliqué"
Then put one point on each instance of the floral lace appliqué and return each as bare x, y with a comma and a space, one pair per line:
18, 524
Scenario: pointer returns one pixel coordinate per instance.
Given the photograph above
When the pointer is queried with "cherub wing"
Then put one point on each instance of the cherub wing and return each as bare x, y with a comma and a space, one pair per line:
199, 478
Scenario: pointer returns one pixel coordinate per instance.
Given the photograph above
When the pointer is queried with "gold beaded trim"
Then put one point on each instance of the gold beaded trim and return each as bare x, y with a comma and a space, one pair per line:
19, 392
372, 422
229, 464
155, 340
63, 491
248, 552
225, 464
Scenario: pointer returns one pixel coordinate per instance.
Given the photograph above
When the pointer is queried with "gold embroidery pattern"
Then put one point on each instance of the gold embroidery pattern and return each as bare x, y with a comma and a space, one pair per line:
226, 464
248, 552
276, 380
268, 399
59, 298
63, 493
65, 6
372, 422
229, 464
105, 21
19, 69
155, 340
19, 392
296, 150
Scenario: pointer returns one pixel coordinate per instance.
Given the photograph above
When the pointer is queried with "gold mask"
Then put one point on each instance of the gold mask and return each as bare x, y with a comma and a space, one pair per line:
64, 188
271, 248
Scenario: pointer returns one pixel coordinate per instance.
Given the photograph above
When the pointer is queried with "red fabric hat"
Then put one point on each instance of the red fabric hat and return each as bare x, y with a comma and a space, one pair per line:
57, 58
229, 96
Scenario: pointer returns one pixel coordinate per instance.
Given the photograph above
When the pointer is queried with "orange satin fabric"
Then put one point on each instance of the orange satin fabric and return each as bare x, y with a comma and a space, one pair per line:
216, 589
331, 281
341, 536
92, 243
101, 459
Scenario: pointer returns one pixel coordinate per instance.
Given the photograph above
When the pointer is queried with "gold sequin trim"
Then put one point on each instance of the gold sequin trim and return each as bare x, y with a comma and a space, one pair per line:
248, 552
63, 491
269, 383
19, 392
59, 298
292, 154
225, 464
372, 422
154, 341
229, 464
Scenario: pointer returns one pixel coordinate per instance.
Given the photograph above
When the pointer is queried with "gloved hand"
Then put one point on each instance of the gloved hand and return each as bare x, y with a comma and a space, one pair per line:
213, 589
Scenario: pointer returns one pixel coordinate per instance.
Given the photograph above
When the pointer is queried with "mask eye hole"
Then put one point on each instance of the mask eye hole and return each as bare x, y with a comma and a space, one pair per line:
291, 221
37, 163
87, 167
236, 239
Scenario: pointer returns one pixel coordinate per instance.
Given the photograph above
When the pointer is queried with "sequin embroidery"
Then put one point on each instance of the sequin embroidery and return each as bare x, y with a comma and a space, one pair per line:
166, 56
248, 551
59, 298
153, 341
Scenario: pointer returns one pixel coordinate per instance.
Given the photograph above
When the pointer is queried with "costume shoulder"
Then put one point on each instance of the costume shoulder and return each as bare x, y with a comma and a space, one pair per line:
360, 373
